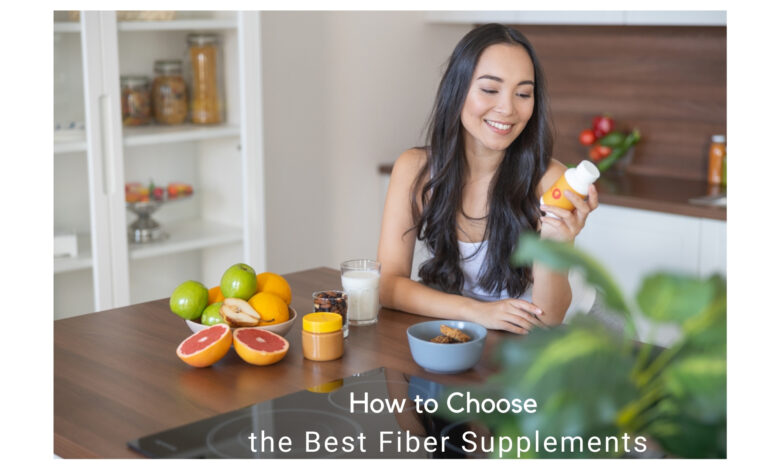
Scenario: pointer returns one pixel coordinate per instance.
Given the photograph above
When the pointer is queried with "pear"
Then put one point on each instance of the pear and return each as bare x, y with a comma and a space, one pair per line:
238, 313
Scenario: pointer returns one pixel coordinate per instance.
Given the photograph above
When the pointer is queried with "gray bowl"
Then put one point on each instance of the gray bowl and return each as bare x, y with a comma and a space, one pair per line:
448, 358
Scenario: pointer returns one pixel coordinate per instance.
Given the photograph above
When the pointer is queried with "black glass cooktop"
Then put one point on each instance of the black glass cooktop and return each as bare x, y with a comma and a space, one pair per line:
318, 423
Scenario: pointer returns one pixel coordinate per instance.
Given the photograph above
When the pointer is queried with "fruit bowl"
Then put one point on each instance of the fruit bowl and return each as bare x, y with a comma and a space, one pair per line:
278, 328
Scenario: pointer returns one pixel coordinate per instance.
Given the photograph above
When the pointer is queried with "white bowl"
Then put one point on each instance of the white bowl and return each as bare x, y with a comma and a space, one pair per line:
278, 328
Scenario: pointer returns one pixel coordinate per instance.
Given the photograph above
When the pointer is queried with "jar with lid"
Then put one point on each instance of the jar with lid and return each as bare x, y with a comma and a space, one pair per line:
136, 100
321, 336
716, 156
169, 92
205, 73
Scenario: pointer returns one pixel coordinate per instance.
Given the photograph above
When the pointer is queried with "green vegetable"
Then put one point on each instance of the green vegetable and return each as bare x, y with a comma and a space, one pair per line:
619, 150
613, 139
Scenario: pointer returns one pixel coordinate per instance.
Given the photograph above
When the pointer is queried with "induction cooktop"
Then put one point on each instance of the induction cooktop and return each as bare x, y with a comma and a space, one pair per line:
367, 415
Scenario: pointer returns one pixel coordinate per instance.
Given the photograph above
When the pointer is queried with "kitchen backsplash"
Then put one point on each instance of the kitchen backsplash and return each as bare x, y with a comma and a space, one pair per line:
668, 81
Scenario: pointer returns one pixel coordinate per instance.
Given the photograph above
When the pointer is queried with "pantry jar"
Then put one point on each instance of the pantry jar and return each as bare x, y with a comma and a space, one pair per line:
205, 72
169, 92
136, 100
321, 336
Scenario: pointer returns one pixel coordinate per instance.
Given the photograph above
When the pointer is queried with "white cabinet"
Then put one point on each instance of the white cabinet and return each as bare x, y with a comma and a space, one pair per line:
222, 224
633, 243
559, 17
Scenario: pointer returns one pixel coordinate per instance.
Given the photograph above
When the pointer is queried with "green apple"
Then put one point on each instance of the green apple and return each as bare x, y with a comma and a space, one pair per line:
211, 315
189, 299
239, 281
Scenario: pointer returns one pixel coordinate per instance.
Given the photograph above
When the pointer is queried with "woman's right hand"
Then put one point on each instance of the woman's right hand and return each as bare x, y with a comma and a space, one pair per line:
513, 315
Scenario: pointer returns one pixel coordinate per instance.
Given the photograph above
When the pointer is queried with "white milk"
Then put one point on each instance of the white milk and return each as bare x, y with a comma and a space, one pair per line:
362, 288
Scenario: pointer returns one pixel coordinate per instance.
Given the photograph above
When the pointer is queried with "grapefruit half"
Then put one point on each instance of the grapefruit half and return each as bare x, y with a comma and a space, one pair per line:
258, 346
205, 347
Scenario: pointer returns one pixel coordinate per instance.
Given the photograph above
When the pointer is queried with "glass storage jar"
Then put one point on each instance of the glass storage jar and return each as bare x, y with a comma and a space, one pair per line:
205, 72
169, 92
136, 100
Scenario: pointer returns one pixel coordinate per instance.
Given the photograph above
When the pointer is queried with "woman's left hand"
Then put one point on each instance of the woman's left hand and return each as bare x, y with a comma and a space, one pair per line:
569, 223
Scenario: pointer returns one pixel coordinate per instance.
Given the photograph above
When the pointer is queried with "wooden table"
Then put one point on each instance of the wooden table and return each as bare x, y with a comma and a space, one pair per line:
117, 376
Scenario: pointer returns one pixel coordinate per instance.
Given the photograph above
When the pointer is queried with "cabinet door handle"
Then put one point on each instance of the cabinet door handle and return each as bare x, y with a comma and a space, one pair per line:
107, 144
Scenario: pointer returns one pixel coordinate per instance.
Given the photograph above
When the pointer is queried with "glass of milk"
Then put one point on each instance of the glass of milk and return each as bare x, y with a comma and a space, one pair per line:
360, 281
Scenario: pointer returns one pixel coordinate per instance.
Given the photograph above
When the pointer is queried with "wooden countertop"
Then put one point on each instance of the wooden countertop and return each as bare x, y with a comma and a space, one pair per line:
117, 376
653, 193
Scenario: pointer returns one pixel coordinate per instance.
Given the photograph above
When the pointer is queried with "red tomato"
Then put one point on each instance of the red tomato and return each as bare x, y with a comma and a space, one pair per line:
602, 125
587, 137
603, 150
594, 154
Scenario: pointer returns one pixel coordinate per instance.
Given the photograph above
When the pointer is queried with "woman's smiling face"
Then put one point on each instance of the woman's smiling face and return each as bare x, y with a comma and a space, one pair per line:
500, 99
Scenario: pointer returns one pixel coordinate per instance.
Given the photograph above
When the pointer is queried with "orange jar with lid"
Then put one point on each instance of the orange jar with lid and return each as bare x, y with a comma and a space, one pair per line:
716, 156
321, 336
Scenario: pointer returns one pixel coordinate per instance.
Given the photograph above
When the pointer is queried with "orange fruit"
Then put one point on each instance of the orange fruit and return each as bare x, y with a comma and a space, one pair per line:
274, 284
205, 347
215, 295
258, 346
271, 308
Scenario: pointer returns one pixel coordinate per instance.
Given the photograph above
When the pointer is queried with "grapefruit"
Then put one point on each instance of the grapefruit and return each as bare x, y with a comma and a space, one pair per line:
205, 347
274, 284
272, 309
258, 346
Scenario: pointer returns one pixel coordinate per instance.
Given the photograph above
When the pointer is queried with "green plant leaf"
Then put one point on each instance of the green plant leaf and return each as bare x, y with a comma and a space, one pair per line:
698, 383
563, 256
673, 297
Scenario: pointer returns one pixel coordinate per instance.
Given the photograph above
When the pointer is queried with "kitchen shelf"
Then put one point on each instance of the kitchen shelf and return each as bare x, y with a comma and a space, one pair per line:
150, 135
188, 235
67, 27
68, 144
184, 236
217, 24
82, 261
178, 25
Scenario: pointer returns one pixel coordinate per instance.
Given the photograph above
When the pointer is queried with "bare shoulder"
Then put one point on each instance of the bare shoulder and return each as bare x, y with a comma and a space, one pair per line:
409, 163
554, 171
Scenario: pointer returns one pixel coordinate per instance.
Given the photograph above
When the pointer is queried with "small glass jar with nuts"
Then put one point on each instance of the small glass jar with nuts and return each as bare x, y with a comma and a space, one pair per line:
332, 301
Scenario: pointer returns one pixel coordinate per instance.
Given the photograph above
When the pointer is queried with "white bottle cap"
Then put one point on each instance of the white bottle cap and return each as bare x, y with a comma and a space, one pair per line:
719, 139
586, 173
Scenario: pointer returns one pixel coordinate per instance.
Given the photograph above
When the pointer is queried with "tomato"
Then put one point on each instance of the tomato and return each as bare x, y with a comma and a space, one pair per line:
587, 137
603, 150
602, 125
594, 154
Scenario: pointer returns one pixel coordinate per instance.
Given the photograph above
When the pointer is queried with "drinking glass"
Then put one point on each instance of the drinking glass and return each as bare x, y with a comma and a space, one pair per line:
360, 280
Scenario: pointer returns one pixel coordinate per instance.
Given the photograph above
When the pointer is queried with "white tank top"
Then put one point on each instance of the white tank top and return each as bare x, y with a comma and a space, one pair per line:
472, 258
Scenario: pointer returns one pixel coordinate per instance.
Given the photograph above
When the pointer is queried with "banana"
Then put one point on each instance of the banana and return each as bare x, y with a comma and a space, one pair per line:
238, 313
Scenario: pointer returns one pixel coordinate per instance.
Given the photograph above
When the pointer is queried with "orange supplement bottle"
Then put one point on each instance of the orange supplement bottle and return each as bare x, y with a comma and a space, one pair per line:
575, 180
717, 154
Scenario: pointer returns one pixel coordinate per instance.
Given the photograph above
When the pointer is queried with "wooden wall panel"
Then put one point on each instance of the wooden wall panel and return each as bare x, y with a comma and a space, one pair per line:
668, 81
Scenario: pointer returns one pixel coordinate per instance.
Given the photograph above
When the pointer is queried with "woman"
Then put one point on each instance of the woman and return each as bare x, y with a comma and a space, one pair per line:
474, 189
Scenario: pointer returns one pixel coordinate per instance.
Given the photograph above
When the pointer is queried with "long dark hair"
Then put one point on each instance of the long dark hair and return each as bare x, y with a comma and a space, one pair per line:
513, 206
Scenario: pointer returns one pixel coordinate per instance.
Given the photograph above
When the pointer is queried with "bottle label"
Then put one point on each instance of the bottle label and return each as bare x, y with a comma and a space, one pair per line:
555, 197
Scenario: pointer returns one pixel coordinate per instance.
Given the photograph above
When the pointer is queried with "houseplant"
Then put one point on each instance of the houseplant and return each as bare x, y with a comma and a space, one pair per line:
590, 381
